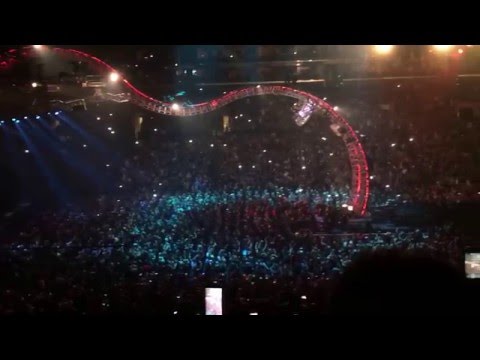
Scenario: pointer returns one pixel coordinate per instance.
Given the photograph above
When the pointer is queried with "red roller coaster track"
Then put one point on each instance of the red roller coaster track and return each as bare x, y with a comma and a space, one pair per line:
360, 176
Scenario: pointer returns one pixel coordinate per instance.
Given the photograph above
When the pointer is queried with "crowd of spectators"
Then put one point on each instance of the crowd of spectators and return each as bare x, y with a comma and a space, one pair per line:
257, 208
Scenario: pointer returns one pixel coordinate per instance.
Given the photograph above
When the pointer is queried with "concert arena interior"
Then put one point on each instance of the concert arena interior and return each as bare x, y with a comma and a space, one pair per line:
239, 180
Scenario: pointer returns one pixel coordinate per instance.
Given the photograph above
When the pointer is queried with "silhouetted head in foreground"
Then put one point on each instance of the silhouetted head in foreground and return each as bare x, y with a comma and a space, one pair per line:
399, 283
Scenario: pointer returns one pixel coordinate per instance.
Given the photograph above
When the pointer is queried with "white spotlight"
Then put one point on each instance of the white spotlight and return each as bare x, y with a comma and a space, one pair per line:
114, 76
34, 84
38, 47
175, 107
383, 49
442, 48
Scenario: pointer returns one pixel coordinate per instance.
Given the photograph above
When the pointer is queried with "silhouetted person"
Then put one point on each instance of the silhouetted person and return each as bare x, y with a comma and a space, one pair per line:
395, 282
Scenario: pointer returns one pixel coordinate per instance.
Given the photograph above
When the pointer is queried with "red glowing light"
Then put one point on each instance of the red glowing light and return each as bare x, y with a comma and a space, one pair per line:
360, 175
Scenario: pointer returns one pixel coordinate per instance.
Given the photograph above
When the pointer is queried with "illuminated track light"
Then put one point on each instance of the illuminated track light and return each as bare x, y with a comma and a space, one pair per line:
383, 49
442, 48
114, 77
360, 185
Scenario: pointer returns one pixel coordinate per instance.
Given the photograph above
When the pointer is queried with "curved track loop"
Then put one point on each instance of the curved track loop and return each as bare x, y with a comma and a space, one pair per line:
358, 161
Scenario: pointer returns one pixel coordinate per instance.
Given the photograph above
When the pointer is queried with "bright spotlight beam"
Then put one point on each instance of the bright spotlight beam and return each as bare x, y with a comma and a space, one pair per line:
442, 48
383, 49
114, 77
175, 107
37, 47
